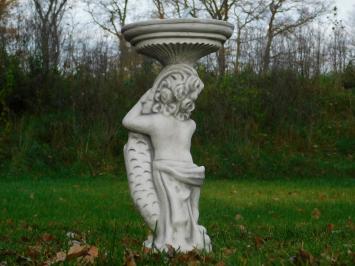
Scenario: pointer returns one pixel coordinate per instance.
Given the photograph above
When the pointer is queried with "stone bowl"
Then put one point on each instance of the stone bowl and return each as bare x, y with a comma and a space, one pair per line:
174, 41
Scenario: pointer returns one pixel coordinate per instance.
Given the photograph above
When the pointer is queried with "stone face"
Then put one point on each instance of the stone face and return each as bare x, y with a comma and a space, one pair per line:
164, 182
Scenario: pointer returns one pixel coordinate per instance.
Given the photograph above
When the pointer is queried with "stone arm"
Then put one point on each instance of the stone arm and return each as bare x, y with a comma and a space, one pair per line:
136, 121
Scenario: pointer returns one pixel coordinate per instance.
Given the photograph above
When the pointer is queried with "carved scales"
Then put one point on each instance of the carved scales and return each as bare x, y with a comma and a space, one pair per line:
138, 159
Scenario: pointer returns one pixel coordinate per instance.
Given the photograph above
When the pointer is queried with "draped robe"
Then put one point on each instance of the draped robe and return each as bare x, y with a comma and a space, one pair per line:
178, 186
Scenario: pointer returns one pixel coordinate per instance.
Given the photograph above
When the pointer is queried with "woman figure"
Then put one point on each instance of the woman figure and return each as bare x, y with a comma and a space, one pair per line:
163, 114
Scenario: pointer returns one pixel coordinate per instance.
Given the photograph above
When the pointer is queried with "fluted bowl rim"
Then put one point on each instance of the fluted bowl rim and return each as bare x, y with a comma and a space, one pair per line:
177, 40
177, 22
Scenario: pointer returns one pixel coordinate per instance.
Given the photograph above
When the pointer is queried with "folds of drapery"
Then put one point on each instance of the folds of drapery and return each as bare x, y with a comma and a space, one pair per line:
178, 187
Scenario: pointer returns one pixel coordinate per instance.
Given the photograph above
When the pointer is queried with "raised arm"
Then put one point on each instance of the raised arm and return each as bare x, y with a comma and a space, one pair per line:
135, 120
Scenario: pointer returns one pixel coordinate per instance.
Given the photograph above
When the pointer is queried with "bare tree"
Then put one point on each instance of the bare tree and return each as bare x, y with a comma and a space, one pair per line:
49, 15
219, 9
351, 23
245, 12
285, 16
159, 5
338, 42
184, 7
111, 15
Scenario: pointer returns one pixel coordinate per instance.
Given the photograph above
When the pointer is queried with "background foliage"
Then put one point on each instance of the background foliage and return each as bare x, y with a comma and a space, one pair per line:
277, 124
262, 114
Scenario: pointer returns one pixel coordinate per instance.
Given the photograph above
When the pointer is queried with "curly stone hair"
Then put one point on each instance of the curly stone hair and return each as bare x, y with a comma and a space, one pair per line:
176, 90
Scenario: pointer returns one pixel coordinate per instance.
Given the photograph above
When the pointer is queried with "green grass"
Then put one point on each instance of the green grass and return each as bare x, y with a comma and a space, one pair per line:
250, 222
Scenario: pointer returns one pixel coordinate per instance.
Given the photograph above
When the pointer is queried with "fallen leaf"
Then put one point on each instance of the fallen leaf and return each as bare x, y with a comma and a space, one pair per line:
209, 260
190, 258
33, 251
129, 258
60, 256
93, 251
304, 257
129, 241
228, 251
220, 263
77, 251
87, 259
322, 197
147, 250
193, 263
330, 227
316, 213
47, 237
90, 256
258, 242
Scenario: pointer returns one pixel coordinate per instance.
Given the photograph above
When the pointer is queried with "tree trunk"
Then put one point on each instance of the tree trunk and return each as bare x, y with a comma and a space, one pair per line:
238, 52
124, 57
45, 49
267, 51
222, 60
269, 37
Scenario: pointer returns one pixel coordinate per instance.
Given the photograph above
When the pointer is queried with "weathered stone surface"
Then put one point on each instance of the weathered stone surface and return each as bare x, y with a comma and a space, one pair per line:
164, 182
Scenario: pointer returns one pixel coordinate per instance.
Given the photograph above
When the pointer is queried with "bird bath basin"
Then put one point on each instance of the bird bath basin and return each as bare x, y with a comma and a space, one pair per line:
173, 41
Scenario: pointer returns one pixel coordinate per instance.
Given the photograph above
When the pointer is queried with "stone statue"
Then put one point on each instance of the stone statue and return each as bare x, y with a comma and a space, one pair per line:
164, 182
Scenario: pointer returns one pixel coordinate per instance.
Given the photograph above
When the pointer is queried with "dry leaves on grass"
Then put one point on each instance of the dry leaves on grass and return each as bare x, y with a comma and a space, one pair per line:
350, 225
228, 251
130, 241
85, 254
304, 257
147, 250
330, 228
258, 241
91, 255
130, 258
190, 258
34, 251
60, 256
47, 237
77, 251
316, 213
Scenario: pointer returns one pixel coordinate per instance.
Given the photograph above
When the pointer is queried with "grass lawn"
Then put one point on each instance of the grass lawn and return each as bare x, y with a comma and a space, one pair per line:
250, 222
